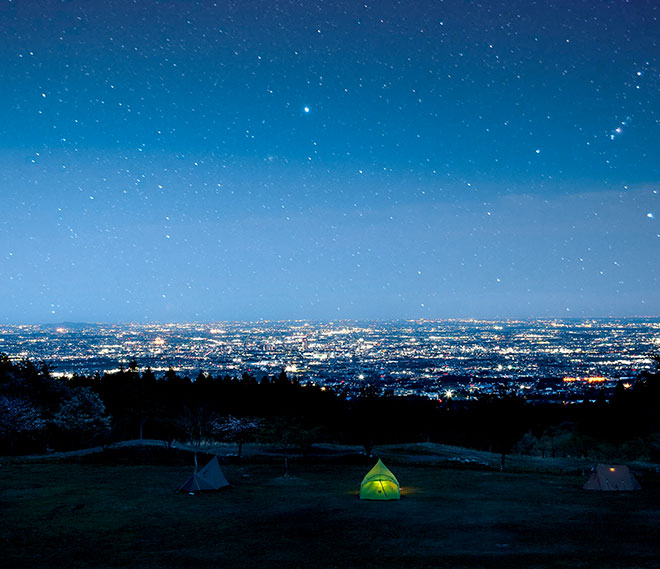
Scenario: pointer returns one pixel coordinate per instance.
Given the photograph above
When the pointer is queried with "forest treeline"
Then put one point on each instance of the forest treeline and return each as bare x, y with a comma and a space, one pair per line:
40, 412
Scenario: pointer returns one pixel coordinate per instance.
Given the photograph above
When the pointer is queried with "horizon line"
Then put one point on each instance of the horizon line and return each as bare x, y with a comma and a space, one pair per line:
328, 320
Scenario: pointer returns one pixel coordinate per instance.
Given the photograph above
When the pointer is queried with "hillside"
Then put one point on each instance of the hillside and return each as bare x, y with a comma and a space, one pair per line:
62, 514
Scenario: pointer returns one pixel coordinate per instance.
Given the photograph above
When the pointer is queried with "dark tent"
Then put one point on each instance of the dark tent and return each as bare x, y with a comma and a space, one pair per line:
612, 477
208, 478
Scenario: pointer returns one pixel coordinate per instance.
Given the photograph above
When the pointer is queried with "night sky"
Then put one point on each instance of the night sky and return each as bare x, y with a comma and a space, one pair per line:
239, 160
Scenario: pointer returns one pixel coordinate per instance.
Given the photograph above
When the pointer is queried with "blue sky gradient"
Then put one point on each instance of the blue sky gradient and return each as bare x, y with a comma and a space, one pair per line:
245, 160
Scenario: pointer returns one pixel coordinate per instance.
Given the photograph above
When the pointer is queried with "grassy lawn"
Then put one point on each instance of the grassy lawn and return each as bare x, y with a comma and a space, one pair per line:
82, 515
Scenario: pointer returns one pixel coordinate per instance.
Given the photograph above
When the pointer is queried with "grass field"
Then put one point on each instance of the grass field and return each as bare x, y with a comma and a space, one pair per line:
60, 514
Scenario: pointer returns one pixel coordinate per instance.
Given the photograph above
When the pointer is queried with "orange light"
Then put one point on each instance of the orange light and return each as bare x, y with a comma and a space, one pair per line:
596, 379
612, 469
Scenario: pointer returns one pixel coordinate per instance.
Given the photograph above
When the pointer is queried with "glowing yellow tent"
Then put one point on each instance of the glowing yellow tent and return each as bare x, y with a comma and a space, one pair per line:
380, 484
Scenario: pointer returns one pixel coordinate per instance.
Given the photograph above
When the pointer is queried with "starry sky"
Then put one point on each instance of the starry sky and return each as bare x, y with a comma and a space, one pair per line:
234, 160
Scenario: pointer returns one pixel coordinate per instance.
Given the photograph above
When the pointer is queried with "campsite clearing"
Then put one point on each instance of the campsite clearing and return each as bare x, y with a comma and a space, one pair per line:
82, 515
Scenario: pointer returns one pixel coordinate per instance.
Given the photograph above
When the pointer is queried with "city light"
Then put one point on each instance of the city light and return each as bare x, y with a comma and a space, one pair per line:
450, 359
585, 379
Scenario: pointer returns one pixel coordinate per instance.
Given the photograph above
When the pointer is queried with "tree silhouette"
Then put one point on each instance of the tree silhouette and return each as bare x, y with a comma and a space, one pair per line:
18, 417
239, 430
196, 424
82, 416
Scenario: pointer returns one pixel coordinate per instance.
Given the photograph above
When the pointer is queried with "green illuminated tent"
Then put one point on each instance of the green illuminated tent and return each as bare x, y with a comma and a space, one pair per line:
380, 484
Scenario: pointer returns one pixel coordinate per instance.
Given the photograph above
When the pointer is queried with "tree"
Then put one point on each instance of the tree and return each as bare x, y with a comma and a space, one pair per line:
366, 415
527, 444
557, 438
288, 432
196, 424
579, 444
82, 416
504, 419
239, 430
18, 417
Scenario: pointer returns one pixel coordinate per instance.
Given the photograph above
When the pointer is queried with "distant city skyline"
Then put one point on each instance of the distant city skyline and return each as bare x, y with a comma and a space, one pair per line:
466, 357
198, 162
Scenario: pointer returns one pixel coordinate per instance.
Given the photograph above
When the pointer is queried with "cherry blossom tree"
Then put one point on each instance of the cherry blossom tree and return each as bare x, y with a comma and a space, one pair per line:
18, 417
239, 430
82, 416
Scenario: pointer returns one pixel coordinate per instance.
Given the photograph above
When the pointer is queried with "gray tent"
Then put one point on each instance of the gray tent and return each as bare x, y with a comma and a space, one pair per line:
613, 477
208, 478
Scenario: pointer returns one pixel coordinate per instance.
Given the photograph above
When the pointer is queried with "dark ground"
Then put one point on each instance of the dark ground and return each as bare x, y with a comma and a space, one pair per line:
57, 514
